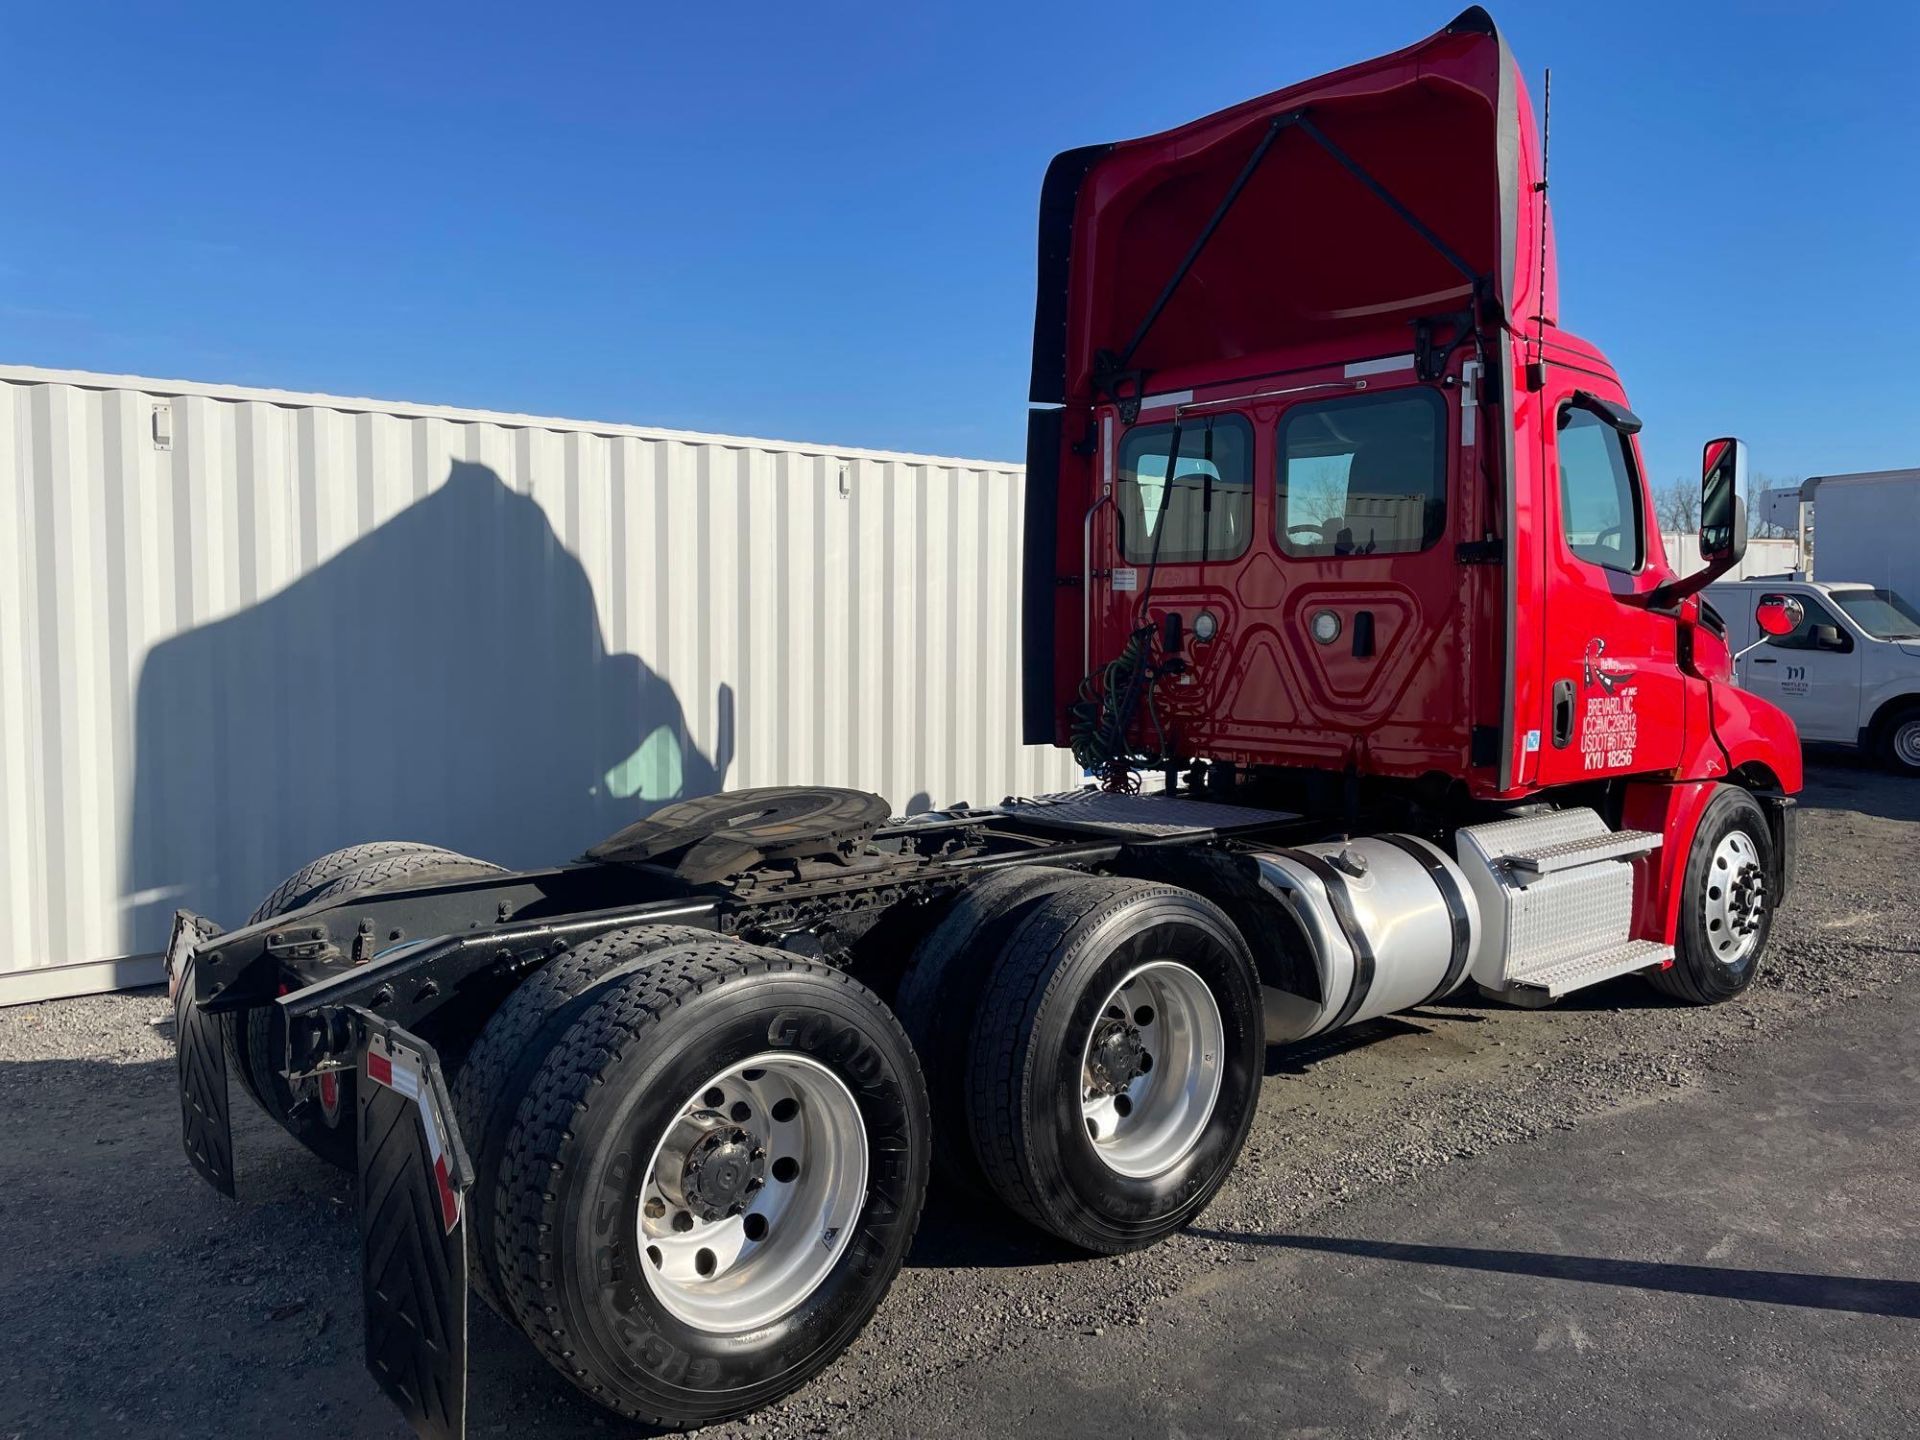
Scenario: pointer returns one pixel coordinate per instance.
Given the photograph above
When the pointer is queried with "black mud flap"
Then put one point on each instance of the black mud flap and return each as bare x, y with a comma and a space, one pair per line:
206, 1124
414, 1176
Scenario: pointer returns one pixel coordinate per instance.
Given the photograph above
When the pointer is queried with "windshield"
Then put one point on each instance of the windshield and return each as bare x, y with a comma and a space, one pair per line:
1881, 613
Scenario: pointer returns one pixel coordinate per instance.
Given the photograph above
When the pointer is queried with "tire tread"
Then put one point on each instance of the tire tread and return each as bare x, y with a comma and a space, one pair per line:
1023, 981
541, 1144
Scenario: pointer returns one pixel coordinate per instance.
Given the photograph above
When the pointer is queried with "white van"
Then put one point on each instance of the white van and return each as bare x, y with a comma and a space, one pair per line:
1849, 671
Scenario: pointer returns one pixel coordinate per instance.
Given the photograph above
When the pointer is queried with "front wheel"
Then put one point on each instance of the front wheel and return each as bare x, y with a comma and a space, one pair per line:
1727, 898
1899, 741
711, 1182
1115, 1062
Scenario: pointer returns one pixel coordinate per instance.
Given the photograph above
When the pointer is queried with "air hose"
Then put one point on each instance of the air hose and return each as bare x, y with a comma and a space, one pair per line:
1103, 715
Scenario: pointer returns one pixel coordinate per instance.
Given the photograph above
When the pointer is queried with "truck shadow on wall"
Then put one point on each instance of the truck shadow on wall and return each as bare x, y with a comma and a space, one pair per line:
442, 679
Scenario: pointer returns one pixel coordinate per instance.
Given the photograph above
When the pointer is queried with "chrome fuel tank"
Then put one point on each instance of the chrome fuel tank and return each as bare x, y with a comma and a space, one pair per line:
1388, 922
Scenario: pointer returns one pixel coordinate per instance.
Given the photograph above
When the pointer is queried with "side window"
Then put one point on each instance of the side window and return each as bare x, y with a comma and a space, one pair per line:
1599, 499
1363, 475
1206, 512
1819, 629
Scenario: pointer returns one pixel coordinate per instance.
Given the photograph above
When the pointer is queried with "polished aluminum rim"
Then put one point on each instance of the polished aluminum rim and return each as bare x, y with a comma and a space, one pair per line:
1736, 897
1150, 1073
1906, 742
752, 1193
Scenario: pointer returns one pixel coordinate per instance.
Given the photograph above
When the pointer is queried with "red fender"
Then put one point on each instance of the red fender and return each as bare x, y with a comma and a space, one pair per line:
1757, 736
1674, 811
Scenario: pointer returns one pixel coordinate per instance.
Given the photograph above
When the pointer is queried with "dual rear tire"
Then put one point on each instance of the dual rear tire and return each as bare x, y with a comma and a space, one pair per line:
706, 1160
707, 1177
1097, 1060
320, 1113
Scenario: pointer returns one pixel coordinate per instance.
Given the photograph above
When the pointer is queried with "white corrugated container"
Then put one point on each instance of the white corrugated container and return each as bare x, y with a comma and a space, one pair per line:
239, 628
1763, 557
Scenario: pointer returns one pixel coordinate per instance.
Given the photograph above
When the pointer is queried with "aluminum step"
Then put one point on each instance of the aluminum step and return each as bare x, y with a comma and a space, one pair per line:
1565, 976
1589, 850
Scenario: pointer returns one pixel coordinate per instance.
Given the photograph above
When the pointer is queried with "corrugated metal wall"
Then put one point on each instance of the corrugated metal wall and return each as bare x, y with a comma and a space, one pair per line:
241, 628
1763, 557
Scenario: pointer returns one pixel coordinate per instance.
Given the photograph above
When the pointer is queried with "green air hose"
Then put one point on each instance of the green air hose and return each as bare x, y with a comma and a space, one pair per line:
1101, 717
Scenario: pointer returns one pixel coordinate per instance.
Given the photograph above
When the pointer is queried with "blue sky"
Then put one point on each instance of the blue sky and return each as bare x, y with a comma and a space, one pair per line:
817, 222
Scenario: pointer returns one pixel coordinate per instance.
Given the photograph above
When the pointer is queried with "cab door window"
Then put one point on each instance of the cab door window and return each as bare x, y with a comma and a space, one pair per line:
1363, 474
1203, 509
1600, 514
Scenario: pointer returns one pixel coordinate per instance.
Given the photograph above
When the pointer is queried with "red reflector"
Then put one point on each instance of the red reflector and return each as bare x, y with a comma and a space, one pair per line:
449, 1201
380, 1068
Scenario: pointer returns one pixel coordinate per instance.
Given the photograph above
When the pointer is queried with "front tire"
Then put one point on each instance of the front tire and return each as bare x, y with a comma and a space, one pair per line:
1899, 741
723, 1106
1727, 898
1115, 1062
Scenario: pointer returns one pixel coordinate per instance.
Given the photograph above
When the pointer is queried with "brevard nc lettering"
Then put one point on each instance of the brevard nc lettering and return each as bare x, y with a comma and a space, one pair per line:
1610, 730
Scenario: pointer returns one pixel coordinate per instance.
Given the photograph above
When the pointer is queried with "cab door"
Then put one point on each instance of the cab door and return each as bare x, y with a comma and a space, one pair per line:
1612, 687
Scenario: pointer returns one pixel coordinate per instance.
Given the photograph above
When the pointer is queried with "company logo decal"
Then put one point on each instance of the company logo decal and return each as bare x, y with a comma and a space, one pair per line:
1597, 669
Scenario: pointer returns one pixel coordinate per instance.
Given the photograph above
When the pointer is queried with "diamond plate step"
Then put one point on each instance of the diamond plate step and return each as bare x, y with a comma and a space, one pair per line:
1614, 845
1565, 976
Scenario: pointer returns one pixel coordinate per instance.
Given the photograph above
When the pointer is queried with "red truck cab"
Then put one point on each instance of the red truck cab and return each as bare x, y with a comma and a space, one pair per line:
1318, 484
1405, 530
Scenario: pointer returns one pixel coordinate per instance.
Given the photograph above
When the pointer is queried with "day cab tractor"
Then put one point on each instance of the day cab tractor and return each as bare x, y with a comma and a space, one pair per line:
1340, 576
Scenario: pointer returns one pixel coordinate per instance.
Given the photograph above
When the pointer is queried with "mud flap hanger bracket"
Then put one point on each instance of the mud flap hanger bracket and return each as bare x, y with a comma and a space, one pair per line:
1123, 385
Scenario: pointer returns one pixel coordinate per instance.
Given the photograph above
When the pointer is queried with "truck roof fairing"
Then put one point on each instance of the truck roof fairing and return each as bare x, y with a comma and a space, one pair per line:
1308, 252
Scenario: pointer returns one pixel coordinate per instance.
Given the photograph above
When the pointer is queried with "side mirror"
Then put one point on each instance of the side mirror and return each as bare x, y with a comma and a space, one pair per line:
1723, 520
1723, 503
1779, 614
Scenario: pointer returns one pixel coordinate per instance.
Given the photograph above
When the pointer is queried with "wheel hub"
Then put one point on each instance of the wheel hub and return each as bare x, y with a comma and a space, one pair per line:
1735, 899
752, 1193
1152, 1069
1117, 1058
1745, 904
711, 1167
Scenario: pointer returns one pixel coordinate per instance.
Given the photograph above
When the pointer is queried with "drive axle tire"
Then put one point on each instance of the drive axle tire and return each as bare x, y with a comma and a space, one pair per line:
711, 1182
1115, 1063
940, 994
321, 1115
493, 1078
1727, 898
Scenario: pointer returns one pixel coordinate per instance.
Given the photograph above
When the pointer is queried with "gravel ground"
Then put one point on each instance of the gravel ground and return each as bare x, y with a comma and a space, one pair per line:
160, 1309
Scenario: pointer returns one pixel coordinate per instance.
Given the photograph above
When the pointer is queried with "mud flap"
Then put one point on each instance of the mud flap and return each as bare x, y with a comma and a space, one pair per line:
414, 1175
206, 1124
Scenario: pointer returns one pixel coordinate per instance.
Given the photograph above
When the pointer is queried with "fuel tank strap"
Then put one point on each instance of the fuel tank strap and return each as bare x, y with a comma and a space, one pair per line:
1341, 904
1448, 884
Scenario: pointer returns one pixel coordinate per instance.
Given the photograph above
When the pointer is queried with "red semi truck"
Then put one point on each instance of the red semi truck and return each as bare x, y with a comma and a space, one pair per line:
1332, 533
